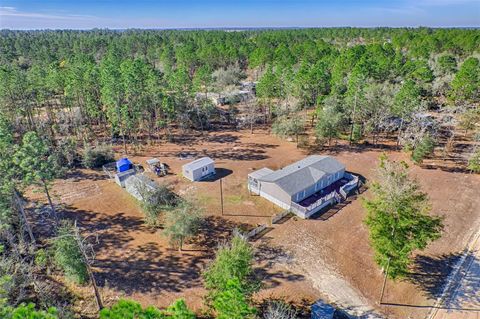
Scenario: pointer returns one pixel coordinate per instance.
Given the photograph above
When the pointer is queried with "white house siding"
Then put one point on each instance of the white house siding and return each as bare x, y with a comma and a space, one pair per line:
322, 183
274, 200
198, 173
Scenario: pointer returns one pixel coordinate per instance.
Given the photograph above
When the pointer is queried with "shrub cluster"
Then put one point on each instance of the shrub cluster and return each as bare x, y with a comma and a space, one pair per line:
94, 157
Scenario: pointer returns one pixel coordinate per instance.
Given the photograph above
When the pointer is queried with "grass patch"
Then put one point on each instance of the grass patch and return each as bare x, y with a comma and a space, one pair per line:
204, 199
234, 199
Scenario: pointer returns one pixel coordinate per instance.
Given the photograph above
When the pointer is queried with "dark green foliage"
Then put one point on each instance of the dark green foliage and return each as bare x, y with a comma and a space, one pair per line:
97, 156
179, 310
423, 148
35, 160
447, 63
232, 303
287, 127
474, 161
466, 84
398, 218
68, 255
36, 163
181, 223
330, 120
26, 312
232, 261
407, 99
65, 154
129, 309
156, 201
421, 71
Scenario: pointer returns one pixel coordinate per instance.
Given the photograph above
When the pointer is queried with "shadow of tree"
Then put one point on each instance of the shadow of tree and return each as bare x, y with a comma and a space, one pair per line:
267, 256
148, 269
128, 267
76, 175
215, 230
432, 273
222, 138
345, 147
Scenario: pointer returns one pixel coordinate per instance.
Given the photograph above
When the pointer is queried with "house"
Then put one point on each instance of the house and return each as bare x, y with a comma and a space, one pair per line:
304, 187
199, 169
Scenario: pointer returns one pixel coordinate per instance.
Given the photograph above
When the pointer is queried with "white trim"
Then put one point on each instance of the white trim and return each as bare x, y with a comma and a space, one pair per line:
274, 200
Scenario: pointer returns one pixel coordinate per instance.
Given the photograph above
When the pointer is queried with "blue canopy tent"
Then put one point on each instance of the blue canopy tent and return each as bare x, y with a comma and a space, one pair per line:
124, 164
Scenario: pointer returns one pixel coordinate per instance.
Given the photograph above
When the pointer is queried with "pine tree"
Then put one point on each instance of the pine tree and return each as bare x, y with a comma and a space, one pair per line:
398, 218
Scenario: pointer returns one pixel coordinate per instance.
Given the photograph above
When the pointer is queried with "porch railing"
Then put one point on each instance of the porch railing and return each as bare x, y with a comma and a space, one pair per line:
304, 210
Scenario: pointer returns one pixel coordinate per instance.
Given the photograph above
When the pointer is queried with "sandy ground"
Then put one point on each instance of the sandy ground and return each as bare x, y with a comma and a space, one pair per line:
463, 288
300, 260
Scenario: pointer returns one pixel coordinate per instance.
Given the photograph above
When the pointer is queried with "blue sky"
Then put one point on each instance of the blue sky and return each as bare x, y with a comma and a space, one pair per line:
86, 14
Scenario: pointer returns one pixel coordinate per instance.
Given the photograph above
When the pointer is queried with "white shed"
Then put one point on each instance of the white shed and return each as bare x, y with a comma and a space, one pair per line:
199, 169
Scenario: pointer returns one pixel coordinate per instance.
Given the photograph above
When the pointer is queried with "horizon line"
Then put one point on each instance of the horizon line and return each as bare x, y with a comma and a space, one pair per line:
239, 28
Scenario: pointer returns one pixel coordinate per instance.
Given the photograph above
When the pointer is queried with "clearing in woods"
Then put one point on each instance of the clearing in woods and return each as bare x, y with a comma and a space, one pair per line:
301, 260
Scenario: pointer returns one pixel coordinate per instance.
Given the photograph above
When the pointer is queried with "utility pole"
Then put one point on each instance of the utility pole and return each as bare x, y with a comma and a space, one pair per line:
80, 240
221, 195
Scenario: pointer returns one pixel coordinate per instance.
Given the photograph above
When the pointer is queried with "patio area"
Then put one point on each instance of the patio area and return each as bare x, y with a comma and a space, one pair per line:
322, 193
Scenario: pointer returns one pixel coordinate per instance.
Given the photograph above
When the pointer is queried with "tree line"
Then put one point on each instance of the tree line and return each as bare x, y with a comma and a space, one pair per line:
138, 85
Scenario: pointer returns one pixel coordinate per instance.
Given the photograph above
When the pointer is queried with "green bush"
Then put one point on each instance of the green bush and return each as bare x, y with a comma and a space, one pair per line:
232, 261
129, 309
182, 223
474, 162
26, 311
67, 254
65, 154
232, 302
424, 148
161, 199
97, 156
41, 258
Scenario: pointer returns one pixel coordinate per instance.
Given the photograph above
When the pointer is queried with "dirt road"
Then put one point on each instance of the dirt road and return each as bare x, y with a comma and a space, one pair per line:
461, 295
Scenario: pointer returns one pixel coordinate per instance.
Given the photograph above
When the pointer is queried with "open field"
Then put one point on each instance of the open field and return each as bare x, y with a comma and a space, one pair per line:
325, 257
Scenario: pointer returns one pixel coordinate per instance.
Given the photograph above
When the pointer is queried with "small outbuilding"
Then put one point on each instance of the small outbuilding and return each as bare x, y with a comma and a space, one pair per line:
139, 185
124, 164
120, 178
199, 169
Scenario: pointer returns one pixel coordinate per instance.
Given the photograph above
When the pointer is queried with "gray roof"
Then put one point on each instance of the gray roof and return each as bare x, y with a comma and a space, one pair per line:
198, 163
153, 161
260, 173
304, 173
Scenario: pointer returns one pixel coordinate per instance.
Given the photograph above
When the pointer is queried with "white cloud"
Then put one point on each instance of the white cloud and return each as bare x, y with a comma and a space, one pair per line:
13, 12
432, 3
